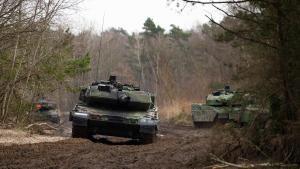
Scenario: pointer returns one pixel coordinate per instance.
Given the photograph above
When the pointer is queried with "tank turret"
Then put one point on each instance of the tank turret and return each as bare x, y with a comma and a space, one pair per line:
220, 97
112, 93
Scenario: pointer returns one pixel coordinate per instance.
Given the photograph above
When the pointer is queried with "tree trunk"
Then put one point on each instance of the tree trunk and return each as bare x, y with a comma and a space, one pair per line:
138, 53
283, 63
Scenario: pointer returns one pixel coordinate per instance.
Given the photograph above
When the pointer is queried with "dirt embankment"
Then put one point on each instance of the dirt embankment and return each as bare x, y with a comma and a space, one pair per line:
176, 147
10, 137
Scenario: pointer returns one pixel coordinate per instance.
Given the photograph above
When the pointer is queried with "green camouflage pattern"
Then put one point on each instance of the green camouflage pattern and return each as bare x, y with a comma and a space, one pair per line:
222, 99
135, 96
131, 117
46, 111
223, 106
111, 98
115, 109
139, 96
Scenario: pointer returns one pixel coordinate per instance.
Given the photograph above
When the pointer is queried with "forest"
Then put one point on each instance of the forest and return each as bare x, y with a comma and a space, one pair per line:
254, 49
165, 63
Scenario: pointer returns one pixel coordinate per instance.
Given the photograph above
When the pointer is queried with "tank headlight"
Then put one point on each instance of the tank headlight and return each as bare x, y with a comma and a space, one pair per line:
146, 121
104, 118
143, 120
80, 114
132, 121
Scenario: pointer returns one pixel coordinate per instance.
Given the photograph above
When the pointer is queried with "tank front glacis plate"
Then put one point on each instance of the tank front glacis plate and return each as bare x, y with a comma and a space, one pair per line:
114, 123
206, 113
202, 113
117, 116
113, 119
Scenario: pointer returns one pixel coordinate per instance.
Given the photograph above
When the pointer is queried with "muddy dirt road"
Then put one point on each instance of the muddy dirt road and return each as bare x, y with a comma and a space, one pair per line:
176, 147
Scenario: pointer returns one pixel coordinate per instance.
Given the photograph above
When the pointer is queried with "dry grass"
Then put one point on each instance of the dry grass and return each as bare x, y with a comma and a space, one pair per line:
179, 112
16, 136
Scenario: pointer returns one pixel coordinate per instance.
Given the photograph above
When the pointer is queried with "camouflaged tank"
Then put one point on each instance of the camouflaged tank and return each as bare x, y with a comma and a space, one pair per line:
46, 111
222, 106
115, 109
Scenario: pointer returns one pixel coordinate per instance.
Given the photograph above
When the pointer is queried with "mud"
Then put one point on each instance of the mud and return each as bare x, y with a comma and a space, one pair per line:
176, 147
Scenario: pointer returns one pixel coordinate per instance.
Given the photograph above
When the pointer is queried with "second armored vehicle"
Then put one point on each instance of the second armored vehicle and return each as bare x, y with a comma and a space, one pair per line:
115, 109
222, 106
46, 111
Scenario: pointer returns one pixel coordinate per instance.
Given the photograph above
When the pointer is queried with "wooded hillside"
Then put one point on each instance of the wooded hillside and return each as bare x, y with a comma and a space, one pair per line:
179, 66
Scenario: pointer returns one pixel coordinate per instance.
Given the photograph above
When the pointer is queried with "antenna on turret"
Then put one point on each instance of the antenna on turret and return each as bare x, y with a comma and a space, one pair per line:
227, 88
112, 79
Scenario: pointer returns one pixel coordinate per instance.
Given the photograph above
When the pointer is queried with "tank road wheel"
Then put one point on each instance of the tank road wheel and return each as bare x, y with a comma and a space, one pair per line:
80, 132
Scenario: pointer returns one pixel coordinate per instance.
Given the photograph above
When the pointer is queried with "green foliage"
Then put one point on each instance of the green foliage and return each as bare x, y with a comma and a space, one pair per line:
60, 65
268, 33
217, 33
151, 29
224, 37
43, 63
177, 33
78, 66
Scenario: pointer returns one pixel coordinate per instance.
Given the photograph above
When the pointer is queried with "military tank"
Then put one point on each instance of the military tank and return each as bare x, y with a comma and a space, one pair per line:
222, 106
115, 109
46, 111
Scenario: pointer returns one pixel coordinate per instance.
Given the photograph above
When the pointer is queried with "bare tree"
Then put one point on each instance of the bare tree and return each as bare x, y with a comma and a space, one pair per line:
25, 26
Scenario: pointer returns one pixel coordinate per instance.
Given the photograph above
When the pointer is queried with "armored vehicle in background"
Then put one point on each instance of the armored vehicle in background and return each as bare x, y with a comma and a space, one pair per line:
115, 109
46, 111
222, 106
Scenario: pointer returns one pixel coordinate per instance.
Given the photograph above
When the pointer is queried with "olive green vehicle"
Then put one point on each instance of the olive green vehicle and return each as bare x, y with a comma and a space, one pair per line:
46, 111
115, 109
222, 106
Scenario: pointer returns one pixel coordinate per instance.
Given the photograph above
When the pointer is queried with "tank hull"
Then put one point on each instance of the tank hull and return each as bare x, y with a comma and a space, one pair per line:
206, 116
128, 124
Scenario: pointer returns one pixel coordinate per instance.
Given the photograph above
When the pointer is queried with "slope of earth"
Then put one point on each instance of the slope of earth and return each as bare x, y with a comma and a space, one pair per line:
176, 147
13, 136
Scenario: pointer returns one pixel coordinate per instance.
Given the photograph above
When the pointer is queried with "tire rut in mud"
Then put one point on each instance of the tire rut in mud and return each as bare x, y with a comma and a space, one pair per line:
176, 147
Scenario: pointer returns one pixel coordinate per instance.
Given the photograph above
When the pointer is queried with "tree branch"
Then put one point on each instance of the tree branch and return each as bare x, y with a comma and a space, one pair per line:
235, 16
225, 163
241, 36
216, 2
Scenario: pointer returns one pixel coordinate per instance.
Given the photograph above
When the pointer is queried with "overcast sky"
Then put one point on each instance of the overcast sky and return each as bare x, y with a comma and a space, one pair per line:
131, 14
